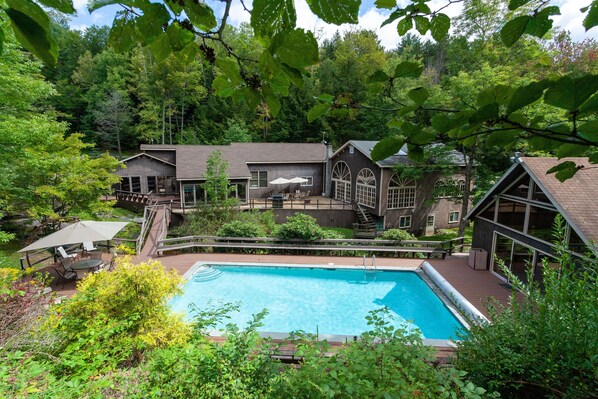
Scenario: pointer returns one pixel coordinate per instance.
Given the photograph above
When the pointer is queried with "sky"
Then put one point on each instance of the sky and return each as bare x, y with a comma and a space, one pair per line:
369, 18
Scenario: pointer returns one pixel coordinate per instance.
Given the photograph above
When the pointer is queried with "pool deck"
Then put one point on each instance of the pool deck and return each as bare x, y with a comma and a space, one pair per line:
477, 286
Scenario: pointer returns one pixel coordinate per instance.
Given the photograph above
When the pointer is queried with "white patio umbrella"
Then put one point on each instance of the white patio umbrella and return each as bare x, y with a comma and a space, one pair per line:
298, 180
76, 233
280, 180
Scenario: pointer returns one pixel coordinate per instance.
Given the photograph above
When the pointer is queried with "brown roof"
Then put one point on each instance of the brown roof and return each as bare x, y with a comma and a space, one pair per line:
191, 159
576, 198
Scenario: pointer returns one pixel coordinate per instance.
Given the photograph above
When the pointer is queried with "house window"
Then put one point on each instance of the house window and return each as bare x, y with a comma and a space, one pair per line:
193, 194
341, 182
405, 222
259, 179
365, 192
151, 184
454, 217
309, 182
131, 184
401, 193
461, 186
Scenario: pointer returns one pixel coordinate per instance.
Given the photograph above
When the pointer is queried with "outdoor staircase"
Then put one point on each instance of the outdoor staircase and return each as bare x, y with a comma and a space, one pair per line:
206, 273
365, 226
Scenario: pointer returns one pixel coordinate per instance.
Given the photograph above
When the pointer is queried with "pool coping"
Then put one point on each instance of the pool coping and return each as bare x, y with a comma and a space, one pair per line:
339, 338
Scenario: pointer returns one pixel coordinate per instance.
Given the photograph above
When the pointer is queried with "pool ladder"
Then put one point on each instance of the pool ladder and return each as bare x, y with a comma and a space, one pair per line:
370, 273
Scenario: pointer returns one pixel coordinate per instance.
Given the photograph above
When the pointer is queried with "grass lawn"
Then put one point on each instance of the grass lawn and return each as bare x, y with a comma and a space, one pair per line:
345, 232
9, 257
447, 234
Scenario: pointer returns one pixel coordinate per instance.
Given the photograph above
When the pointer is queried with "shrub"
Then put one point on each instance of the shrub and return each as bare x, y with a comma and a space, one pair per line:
264, 219
115, 316
300, 226
237, 228
543, 344
397, 234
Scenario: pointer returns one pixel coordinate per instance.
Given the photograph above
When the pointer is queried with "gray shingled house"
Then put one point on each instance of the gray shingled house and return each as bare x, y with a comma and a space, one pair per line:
420, 206
180, 169
514, 220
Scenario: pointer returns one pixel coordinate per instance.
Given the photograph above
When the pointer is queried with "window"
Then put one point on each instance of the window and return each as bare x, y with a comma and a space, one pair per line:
404, 222
193, 194
309, 182
131, 184
454, 217
125, 184
259, 179
461, 186
365, 192
341, 182
151, 184
401, 193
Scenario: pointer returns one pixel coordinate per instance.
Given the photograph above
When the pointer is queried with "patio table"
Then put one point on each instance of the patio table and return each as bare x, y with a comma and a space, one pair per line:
85, 266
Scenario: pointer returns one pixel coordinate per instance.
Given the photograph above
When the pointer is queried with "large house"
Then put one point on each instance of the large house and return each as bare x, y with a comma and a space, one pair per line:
514, 221
348, 175
180, 169
418, 205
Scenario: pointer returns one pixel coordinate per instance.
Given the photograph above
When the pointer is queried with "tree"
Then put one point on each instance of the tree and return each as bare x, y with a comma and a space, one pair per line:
113, 117
216, 184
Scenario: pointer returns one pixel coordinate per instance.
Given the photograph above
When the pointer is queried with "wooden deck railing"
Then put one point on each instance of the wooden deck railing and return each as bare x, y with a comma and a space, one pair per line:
428, 248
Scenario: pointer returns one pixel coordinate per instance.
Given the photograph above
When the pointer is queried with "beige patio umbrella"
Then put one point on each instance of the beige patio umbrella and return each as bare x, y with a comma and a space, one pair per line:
76, 233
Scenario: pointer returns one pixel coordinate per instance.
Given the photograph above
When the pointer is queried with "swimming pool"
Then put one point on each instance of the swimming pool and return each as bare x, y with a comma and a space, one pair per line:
323, 300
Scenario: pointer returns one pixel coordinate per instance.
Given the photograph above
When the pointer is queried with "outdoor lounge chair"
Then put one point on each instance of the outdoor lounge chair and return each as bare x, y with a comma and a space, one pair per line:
63, 253
64, 275
66, 264
88, 246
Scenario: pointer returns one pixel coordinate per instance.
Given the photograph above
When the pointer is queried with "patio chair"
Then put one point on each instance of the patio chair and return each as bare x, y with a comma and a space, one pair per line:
88, 246
66, 263
63, 253
95, 255
64, 275
108, 265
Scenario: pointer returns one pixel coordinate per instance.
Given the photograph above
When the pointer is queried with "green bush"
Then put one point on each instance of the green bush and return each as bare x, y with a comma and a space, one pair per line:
543, 344
299, 226
265, 219
237, 228
397, 234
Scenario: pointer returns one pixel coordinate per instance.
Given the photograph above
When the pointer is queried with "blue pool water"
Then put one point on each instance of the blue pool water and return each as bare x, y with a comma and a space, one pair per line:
328, 301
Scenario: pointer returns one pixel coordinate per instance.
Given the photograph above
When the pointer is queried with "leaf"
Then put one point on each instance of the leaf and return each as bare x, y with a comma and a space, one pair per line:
268, 16
231, 69
502, 139
499, 94
415, 152
201, 15
408, 69
571, 150
589, 131
515, 4
65, 6
335, 11
150, 23
1, 40
223, 86
407, 110
444, 124
564, 170
591, 19
396, 14
93, 5
386, 147
388, 4
272, 100
160, 47
540, 23
569, 94
404, 25
512, 30
422, 24
418, 95
327, 98
526, 95
317, 111
378, 77
589, 106
178, 37
298, 49
439, 26
122, 34
485, 113
246, 95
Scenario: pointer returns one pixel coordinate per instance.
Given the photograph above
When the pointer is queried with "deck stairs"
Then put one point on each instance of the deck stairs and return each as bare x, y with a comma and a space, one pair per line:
206, 273
365, 226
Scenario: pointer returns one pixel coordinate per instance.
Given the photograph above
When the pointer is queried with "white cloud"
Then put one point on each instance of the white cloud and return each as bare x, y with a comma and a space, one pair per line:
80, 6
571, 19
237, 14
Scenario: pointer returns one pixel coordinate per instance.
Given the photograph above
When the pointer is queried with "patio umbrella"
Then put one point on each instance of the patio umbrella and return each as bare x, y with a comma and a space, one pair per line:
298, 180
76, 233
280, 180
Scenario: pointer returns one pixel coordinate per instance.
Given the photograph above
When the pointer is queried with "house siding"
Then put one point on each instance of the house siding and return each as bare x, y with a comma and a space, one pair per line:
316, 170
144, 166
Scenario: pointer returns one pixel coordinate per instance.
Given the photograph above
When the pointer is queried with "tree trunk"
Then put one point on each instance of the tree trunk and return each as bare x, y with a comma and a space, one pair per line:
170, 123
469, 160
117, 125
163, 121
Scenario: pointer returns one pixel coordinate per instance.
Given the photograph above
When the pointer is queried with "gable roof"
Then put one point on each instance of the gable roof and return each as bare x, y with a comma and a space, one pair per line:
149, 156
575, 198
191, 159
401, 157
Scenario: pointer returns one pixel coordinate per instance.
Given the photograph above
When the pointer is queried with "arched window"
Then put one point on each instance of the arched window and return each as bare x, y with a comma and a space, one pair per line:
401, 193
461, 186
365, 192
440, 189
341, 182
